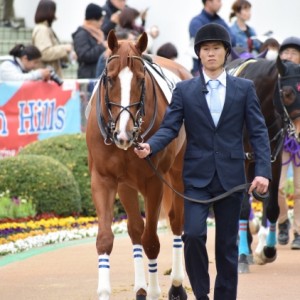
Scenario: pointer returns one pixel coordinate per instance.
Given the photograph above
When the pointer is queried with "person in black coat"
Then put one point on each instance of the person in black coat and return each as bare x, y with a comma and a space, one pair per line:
112, 10
89, 42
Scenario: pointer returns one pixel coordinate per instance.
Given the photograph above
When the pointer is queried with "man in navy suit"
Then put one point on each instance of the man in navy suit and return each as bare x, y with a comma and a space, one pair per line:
214, 159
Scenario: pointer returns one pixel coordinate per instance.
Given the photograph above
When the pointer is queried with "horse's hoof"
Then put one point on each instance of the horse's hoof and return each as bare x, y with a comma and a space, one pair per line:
243, 265
269, 254
141, 294
258, 259
177, 293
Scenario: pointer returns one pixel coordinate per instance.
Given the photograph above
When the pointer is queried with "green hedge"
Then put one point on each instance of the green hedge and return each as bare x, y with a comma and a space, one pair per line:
49, 184
71, 151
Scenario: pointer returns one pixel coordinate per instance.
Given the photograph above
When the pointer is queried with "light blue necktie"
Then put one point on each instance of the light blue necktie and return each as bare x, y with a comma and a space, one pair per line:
215, 101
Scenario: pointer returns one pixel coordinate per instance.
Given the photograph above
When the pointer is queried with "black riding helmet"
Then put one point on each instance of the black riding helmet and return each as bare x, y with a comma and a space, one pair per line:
293, 42
212, 32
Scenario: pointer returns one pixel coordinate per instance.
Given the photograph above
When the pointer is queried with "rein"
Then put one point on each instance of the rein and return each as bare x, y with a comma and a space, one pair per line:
238, 188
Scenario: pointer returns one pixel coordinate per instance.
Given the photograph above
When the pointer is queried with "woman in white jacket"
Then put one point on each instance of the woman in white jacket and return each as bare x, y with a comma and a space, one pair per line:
23, 65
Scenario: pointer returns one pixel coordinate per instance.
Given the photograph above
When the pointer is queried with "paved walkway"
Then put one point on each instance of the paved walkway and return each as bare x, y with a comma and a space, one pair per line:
69, 272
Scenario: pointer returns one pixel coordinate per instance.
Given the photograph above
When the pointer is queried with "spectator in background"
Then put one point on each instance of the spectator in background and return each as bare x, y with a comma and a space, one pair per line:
89, 41
44, 38
241, 9
128, 20
273, 48
209, 14
167, 50
23, 65
112, 10
153, 33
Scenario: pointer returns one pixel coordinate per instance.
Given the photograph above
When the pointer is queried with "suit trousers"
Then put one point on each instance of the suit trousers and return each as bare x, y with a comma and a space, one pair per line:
227, 214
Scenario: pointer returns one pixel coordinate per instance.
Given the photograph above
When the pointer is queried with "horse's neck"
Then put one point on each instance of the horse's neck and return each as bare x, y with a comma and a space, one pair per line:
164, 78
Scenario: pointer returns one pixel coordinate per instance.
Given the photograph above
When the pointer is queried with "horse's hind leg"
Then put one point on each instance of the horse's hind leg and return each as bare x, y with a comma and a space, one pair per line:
135, 225
271, 212
176, 222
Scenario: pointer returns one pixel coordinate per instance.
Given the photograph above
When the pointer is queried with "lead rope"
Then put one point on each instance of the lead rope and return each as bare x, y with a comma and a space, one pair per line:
239, 188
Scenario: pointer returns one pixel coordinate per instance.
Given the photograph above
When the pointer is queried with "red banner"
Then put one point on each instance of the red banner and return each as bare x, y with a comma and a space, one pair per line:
35, 110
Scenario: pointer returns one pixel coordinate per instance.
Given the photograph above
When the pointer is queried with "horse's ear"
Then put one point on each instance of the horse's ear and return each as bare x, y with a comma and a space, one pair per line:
141, 44
112, 40
280, 66
262, 54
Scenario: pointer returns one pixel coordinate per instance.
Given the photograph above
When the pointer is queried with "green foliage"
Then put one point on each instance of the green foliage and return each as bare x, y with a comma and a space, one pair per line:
71, 151
15, 207
49, 184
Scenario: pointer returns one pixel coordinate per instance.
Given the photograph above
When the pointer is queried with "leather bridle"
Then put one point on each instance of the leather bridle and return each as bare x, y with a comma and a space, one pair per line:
107, 128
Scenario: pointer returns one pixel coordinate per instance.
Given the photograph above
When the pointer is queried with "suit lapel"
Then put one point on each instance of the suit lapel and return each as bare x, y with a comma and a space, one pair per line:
203, 103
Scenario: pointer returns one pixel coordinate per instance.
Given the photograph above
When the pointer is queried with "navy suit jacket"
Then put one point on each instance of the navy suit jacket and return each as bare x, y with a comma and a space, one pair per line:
210, 148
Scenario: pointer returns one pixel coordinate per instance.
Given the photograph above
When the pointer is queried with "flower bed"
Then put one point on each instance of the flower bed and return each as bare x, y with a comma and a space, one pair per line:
26, 233
23, 235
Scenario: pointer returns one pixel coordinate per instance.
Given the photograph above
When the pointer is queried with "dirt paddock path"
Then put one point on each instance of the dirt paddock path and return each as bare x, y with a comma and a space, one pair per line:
69, 272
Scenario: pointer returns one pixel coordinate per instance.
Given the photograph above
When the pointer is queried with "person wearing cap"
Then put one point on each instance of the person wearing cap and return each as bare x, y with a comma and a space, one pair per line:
89, 42
290, 51
214, 158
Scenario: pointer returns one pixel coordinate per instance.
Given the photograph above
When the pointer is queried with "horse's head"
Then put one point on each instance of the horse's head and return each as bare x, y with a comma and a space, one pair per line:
124, 89
290, 90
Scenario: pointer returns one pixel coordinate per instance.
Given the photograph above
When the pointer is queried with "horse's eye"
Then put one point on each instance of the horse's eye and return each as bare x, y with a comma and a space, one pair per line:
288, 94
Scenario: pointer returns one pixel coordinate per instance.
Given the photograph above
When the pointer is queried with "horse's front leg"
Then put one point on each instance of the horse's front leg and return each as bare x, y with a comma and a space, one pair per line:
135, 225
103, 194
150, 240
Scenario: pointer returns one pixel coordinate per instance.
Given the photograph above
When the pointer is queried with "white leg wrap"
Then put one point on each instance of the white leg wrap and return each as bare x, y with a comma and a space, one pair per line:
104, 289
262, 239
139, 271
153, 291
177, 274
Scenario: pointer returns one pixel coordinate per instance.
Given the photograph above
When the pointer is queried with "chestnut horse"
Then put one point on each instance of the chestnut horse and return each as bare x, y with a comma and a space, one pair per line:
277, 85
127, 106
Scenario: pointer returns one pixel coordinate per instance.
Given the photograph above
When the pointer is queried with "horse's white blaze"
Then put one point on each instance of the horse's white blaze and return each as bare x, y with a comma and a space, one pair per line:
125, 77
